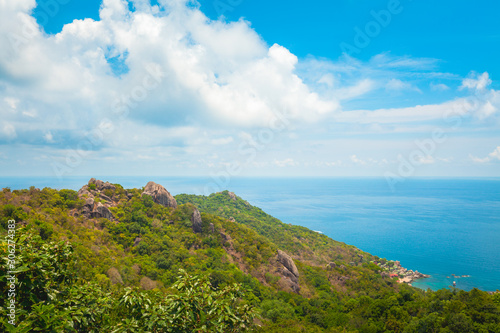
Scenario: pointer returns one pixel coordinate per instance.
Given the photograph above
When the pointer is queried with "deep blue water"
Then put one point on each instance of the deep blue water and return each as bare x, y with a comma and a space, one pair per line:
436, 226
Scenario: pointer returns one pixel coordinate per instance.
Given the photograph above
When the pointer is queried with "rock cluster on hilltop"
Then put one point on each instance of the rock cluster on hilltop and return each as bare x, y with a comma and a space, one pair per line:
288, 270
231, 195
160, 195
96, 202
99, 196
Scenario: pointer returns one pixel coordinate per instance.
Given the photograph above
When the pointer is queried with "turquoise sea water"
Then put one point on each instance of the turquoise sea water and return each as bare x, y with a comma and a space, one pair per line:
436, 226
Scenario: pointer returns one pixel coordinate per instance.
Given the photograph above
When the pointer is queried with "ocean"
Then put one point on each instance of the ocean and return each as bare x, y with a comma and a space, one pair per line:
441, 227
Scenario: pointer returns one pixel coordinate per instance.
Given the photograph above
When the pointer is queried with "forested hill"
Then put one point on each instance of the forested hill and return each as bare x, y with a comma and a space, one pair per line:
109, 259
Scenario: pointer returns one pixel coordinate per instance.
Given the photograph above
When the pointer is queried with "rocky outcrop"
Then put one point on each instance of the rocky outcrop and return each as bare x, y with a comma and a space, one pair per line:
287, 261
100, 185
102, 211
289, 271
160, 195
393, 269
137, 241
97, 204
196, 221
232, 196
331, 266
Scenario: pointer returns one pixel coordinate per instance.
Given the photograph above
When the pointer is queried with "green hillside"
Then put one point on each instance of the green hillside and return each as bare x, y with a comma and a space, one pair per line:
109, 259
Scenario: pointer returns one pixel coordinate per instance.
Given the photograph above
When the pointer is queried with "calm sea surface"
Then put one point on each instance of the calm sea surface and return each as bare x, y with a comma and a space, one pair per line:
436, 226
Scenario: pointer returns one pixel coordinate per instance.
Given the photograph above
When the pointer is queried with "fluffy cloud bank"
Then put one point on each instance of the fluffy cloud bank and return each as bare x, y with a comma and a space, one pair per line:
166, 84
165, 65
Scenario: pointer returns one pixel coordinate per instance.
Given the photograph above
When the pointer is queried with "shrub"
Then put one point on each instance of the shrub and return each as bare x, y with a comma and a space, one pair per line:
276, 310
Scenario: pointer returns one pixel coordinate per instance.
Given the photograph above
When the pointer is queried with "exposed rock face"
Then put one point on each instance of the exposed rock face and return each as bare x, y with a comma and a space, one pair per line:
91, 192
331, 266
286, 273
160, 195
102, 211
101, 186
137, 241
289, 271
212, 228
196, 220
231, 195
287, 261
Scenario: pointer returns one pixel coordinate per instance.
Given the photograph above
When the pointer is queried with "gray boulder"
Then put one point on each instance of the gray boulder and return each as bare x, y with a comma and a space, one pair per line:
196, 220
160, 195
287, 261
102, 211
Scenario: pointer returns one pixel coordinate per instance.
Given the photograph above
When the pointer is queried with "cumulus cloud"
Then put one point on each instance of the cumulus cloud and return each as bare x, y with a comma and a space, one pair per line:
166, 83
179, 68
493, 156
476, 82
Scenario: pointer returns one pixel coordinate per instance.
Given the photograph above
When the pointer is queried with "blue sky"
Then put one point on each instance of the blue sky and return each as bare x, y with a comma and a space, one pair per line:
223, 88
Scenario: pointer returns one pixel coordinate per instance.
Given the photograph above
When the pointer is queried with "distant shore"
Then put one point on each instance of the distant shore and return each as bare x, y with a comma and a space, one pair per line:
394, 269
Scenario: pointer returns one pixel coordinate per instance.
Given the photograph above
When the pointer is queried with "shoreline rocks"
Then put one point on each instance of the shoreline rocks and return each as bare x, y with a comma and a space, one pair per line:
394, 269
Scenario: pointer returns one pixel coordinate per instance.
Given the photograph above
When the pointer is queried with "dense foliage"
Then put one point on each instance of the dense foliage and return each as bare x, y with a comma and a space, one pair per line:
147, 271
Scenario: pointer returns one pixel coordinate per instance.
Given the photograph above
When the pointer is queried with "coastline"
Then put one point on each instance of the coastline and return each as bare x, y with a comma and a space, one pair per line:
394, 269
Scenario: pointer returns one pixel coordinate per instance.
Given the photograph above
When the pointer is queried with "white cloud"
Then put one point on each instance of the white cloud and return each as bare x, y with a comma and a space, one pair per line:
12, 103
360, 88
356, 160
439, 87
190, 85
398, 85
494, 155
480, 106
327, 79
8, 131
222, 141
49, 137
285, 163
428, 159
215, 73
389, 61
476, 82
445, 159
